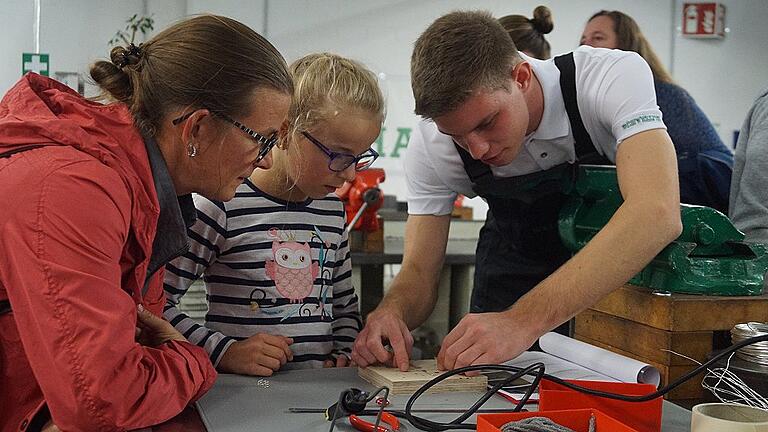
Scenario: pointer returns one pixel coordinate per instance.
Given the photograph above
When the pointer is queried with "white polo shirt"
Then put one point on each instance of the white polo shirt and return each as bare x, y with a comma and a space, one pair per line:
616, 100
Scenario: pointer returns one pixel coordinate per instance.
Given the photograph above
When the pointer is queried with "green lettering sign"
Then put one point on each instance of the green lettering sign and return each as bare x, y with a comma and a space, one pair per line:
403, 136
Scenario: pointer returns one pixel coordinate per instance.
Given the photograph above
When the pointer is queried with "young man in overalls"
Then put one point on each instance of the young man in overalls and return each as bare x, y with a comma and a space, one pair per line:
509, 128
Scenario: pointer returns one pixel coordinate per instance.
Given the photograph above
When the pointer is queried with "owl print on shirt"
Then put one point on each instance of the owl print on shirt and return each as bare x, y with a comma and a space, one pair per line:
292, 269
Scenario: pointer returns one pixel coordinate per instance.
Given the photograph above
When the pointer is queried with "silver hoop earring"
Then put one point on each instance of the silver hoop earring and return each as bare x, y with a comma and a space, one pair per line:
191, 150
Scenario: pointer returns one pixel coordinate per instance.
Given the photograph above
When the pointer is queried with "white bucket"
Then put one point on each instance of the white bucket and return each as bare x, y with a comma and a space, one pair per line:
722, 417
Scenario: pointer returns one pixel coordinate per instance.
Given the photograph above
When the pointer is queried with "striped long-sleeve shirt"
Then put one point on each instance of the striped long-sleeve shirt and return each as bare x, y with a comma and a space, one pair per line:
269, 266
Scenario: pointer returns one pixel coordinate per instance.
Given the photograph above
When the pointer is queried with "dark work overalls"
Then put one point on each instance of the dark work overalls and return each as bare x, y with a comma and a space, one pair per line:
519, 244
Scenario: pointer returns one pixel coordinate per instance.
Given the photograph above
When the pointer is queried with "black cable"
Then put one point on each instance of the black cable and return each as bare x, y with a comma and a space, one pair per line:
353, 401
381, 409
517, 372
336, 413
457, 423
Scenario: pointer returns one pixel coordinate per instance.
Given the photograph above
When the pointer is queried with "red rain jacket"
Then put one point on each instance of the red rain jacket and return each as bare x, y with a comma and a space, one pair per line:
77, 221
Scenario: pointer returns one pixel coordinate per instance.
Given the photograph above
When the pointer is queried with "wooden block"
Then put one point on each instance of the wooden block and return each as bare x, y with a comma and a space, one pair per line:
643, 340
683, 312
420, 372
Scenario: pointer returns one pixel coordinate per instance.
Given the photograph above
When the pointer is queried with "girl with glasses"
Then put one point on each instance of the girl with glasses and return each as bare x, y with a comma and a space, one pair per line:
275, 259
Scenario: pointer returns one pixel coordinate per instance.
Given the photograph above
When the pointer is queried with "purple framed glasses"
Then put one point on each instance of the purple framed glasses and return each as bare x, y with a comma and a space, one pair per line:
338, 162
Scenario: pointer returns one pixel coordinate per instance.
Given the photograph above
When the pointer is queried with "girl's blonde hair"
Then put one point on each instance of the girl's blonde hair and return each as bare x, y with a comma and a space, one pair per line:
326, 83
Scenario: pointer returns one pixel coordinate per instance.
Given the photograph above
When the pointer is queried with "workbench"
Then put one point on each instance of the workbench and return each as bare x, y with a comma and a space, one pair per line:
647, 326
238, 403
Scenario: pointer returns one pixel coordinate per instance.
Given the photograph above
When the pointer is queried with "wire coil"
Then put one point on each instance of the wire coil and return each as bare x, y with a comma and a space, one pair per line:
757, 352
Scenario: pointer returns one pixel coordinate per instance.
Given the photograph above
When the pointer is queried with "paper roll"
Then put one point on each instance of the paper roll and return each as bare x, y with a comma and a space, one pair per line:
603, 361
721, 417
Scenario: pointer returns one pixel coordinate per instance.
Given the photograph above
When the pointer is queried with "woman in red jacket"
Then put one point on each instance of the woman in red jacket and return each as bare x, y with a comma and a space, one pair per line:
95, 200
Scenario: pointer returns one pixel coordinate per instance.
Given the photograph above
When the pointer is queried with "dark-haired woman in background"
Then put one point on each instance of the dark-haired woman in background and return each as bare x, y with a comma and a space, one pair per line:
528, 34
704, 163
95, 200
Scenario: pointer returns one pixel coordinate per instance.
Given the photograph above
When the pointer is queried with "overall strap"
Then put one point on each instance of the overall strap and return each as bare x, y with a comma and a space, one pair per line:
585, 149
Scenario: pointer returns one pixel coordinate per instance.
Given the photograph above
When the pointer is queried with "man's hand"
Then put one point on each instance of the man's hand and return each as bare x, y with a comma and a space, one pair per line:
484, 338
261, 355
380, 326
152, 330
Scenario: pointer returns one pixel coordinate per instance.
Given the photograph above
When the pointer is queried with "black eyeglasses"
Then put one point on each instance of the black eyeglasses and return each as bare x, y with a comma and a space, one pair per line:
265, 143
338, 162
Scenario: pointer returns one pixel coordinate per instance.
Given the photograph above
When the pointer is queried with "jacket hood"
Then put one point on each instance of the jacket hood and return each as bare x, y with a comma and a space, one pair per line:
40, 110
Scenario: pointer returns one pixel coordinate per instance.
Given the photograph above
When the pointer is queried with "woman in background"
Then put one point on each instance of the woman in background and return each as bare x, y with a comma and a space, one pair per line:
528, 34
704, 163
95, 200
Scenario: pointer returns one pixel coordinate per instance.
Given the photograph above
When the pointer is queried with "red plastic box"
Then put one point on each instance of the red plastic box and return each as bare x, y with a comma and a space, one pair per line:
642, 416
578, 420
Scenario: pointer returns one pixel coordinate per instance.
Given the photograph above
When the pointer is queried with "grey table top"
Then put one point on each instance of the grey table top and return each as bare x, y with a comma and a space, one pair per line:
238, 403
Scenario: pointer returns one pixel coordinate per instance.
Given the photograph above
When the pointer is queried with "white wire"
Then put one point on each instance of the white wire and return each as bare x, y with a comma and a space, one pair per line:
728, 387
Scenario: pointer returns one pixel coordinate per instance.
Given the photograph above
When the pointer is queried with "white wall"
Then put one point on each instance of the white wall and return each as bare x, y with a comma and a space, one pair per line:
73, 32
250, 12
16, 18
76, 32
725, 76
722, 75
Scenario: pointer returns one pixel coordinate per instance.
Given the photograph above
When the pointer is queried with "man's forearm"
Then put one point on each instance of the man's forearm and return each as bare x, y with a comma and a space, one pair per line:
413, 292
411, 297
620, 250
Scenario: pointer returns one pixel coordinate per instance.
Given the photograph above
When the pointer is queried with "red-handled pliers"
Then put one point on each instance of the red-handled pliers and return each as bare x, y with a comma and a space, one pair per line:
366, 426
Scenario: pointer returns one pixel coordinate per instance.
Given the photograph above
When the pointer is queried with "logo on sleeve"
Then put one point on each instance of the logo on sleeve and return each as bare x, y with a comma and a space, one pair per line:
646, 118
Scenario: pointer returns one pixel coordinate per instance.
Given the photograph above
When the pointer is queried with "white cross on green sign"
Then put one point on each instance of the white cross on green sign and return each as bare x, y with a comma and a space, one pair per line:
31, 62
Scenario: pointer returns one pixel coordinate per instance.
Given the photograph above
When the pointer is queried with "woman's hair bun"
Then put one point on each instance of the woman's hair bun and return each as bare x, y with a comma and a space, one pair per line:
542, 20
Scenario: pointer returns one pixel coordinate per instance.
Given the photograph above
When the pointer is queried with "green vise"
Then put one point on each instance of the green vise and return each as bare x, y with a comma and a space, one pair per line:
710, 256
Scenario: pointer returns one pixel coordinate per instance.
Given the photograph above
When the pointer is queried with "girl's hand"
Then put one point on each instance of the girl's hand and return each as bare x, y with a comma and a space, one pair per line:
261, 355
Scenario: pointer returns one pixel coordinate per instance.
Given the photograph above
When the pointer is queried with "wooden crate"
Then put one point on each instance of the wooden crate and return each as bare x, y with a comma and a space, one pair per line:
634, 322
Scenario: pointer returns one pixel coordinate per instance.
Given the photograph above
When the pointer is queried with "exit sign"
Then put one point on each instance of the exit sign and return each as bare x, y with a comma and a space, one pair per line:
31, 62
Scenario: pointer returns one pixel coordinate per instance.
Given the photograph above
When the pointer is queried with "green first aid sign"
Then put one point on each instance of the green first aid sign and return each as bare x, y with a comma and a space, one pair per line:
31, 62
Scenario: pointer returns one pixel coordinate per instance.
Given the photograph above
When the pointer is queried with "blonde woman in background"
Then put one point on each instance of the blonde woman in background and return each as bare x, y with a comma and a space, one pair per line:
704, 163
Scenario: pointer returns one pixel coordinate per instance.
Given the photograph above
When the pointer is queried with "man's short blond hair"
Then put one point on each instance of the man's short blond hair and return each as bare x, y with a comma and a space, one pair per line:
459, 53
